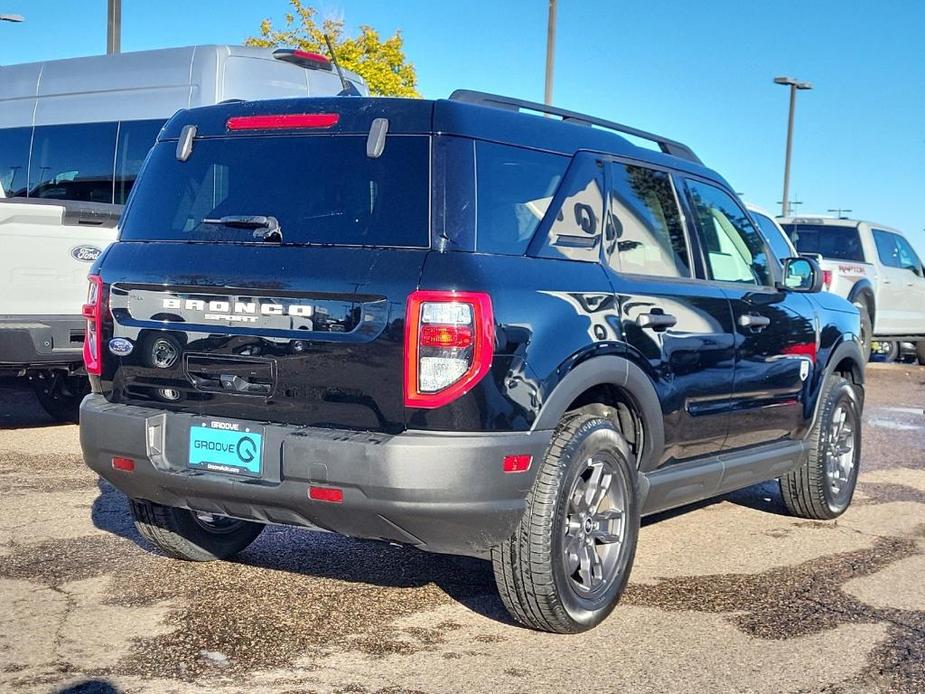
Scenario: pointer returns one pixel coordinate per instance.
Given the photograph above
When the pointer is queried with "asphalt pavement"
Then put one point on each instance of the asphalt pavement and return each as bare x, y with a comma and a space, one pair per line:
728, 595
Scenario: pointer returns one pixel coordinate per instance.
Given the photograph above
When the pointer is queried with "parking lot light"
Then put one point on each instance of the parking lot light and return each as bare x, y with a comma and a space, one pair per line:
794, 85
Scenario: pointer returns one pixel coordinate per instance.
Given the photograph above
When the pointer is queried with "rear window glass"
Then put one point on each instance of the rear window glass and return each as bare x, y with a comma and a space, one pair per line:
135, 139
828, 240
322, 189
515, 187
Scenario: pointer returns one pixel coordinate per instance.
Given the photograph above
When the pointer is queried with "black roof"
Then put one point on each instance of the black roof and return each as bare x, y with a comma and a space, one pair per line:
448, 117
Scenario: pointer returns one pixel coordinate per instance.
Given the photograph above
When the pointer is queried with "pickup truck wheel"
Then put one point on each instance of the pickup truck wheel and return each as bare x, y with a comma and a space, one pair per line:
822, 487
920, 351
189, 535
567, 563
60, 395
887, 351
867, 329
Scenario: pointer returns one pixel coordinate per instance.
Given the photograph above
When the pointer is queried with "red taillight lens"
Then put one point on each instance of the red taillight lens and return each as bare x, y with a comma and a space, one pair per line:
313, 61
123, 464
284, 121
332, 495
458, 336
93, 313
517, 463
826, 278
449, 345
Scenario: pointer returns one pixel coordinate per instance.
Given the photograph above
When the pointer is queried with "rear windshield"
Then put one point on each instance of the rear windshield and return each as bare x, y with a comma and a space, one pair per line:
322, 189
828, 240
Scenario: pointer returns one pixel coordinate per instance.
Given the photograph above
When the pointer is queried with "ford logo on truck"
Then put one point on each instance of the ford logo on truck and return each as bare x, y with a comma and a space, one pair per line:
85, 254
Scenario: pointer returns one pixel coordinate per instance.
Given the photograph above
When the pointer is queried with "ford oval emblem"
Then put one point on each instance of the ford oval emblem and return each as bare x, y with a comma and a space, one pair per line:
85, 254
120, 346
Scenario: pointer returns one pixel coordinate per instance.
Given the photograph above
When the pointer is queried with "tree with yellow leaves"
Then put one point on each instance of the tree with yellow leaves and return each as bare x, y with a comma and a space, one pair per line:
381, 63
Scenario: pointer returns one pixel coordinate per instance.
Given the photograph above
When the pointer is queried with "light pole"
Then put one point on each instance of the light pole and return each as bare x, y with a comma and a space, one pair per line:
113, 26
550, 50
12, 18
794, 85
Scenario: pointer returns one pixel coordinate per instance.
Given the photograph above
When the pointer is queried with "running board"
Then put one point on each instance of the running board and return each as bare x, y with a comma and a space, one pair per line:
686, 483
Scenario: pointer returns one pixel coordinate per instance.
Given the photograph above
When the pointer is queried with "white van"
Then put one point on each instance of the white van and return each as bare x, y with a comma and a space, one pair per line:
73, 135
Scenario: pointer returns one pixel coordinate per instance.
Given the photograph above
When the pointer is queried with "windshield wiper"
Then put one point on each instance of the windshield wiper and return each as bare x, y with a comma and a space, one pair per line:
265, 228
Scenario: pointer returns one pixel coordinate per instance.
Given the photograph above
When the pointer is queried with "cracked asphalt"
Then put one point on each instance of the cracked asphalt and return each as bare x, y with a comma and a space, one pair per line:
729, 595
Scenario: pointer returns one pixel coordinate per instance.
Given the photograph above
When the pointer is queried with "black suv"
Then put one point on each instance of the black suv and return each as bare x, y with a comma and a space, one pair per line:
458, 326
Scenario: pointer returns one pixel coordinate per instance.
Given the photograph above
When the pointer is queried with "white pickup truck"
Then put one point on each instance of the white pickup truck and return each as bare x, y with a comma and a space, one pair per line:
73, 136
874, 267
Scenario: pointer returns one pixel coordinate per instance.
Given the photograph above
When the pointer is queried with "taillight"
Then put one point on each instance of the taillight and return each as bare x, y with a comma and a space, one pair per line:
826, 279
449, 344
93, 313
283, 121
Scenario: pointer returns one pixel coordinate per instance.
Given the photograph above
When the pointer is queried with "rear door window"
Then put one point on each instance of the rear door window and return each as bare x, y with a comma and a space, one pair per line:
73, 162
835, 241
644, 234
322, 190
14, 160
514, 187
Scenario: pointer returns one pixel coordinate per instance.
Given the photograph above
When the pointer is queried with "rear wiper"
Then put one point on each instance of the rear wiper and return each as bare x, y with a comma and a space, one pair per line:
265, 228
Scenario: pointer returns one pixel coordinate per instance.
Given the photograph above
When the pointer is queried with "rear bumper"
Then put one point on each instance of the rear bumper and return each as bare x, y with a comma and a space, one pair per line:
40, 341
439, 492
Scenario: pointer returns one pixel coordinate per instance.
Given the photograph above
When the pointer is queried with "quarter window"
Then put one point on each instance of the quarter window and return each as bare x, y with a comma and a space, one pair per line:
643, 232
734, 249
514, 189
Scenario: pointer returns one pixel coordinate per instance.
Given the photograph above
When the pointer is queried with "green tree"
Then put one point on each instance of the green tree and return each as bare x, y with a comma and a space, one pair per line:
381, 63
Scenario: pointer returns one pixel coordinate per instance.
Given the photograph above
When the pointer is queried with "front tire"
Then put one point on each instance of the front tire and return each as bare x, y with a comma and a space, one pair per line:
184, 534
822, 487
920, 352
568, 561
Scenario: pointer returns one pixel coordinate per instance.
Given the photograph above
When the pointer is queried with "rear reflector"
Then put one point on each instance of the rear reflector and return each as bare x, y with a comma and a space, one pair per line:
124, 464
517, 463
446, 336
330, 494
283, 121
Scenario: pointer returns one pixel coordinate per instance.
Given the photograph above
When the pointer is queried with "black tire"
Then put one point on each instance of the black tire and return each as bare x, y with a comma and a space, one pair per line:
920, 351
867, 328
60, 395
810, 491
181, 534
532, 567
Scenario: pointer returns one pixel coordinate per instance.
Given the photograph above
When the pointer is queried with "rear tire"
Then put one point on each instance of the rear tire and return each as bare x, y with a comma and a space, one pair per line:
887, 351
60, 395
184, 534
822, 487
567, 563
920, 351
867, 329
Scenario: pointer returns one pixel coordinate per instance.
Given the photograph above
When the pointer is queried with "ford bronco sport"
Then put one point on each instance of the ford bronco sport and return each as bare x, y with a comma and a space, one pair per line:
457, 326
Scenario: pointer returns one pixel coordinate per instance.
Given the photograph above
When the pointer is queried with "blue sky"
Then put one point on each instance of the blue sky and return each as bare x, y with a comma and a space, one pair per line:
700, 72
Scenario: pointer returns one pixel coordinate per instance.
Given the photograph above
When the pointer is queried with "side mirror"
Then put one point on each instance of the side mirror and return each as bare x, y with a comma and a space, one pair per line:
801, 275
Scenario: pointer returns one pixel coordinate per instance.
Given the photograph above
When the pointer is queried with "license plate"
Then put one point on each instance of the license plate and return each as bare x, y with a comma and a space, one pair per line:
230, 447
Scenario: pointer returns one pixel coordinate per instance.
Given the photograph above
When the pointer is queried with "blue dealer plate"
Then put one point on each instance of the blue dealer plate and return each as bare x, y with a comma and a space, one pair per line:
231, 447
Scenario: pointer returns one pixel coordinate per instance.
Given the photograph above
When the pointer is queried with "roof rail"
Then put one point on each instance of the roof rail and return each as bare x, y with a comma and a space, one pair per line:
508, 103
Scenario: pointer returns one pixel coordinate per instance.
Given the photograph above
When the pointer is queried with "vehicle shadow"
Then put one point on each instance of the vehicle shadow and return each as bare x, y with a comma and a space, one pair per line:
20, 409
466, 580
89, 687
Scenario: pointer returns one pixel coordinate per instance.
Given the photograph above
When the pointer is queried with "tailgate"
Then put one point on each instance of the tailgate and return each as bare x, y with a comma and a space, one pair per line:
288, 334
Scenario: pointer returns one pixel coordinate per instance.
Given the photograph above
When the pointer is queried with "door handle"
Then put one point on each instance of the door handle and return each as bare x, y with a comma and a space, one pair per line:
754, 322
656, 321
